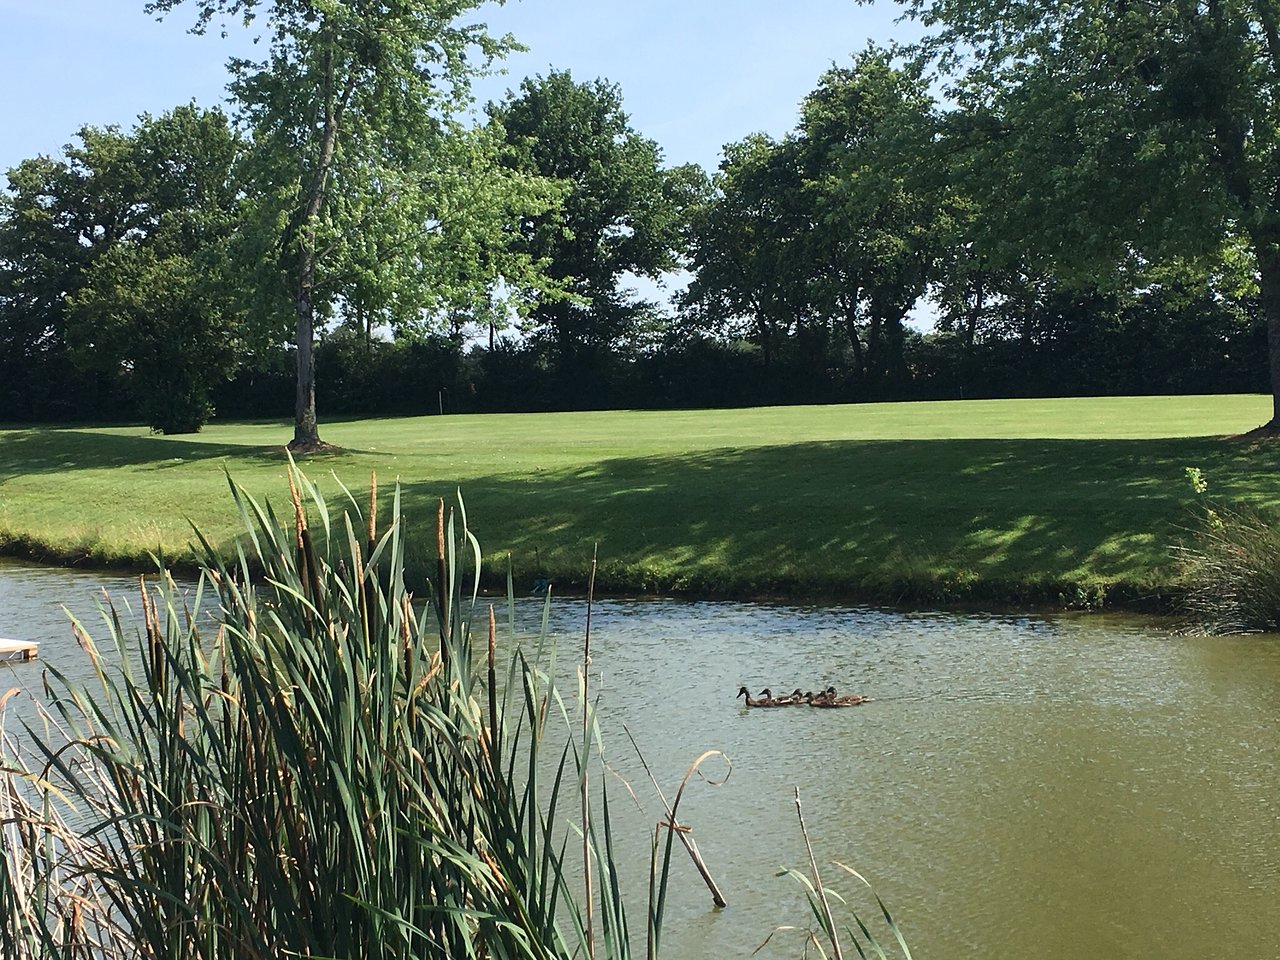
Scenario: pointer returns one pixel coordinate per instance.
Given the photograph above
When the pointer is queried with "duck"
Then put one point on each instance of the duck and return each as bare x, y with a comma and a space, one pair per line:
767, 698
744, 692
829, 698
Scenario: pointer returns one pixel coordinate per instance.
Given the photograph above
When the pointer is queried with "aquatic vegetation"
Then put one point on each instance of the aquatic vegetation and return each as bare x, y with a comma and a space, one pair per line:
330, 769
1230, 565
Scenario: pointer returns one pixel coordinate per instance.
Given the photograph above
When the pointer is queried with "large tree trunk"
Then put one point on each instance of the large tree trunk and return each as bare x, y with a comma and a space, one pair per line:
306, 433
1269, 274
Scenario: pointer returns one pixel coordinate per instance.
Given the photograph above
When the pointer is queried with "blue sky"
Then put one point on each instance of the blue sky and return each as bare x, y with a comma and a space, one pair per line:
695, 74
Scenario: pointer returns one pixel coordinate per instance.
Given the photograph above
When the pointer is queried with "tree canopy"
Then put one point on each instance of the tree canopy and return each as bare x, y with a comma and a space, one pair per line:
1086, 201
827, 233
353, 173
160, 308
112, 263
622, 215
1102, 136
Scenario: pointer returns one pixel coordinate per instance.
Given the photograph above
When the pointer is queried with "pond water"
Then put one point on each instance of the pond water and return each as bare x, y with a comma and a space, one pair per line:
1023, 786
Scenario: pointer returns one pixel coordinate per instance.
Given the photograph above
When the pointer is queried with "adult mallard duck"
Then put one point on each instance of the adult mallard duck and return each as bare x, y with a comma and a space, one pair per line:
751, 702
766, 699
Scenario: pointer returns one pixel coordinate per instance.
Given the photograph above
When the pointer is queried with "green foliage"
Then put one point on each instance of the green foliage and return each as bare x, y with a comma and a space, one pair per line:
364, 189
1098, 137
1230, 565
41, 258
829, 234
158, 309
746, 281
1009, 332
863, 137
326, 770
622, 212
110, 266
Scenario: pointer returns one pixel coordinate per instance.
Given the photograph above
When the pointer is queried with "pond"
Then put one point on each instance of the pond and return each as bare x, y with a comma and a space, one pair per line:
1023, 786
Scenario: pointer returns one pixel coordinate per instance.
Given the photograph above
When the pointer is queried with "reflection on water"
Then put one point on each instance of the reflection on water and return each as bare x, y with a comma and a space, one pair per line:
1048, 787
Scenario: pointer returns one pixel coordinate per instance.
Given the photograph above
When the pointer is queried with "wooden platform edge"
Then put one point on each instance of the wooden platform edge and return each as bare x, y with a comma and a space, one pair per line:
18, 650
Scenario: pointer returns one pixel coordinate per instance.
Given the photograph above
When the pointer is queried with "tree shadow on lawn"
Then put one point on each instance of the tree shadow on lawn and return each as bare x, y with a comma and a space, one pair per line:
822, 516
57, 450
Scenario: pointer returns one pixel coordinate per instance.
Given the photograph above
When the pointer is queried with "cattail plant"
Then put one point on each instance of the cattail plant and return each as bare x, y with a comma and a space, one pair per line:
322, 769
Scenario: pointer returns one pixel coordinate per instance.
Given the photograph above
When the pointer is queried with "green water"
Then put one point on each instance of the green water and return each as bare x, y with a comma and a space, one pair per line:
1023, 786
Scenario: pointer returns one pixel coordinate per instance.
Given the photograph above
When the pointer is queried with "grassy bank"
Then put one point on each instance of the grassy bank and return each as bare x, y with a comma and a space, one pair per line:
1008, 501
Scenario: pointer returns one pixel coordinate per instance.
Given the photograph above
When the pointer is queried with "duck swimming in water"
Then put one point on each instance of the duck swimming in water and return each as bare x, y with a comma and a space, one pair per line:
767, 699
829, 698
751, 702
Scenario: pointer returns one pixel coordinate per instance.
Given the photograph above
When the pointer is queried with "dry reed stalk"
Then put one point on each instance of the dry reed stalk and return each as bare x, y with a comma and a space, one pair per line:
682, 831
829, 919
442, 587
155, 640
493, 684
373, 510
308, 566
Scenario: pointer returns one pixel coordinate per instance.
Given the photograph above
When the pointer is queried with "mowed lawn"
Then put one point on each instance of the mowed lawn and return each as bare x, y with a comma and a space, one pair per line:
1008, 500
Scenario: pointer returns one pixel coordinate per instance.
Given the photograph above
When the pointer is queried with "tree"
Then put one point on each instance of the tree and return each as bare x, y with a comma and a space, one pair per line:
1104, 135
623, 214
106, 264
750, 278
453, 260
827, 234
48, 235
864, 134
351, 113
158, 308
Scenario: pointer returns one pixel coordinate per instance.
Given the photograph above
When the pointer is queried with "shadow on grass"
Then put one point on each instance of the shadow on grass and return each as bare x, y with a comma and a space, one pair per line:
57, 450
1005, 519
942, 518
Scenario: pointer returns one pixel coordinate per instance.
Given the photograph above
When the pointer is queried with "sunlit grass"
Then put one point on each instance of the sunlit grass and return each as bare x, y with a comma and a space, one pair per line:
1009, 500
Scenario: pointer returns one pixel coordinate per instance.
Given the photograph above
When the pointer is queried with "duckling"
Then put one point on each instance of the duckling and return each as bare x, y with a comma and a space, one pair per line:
786, 700
769, 700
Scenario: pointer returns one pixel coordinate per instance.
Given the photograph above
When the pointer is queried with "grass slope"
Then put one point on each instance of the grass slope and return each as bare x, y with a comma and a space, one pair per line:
1006, 500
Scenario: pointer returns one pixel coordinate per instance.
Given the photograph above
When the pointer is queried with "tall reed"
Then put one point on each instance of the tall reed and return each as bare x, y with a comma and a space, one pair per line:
326, 770
826, 933
1230, 565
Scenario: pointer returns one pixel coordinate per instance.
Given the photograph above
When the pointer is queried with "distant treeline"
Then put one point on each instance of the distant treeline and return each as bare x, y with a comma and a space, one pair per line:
1072, 347
145, 275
